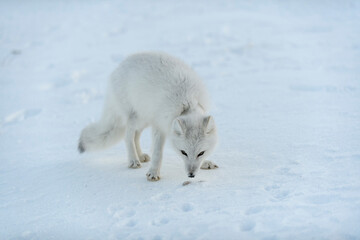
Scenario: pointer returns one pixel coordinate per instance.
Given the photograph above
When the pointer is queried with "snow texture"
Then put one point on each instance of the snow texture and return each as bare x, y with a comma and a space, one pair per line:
284, 77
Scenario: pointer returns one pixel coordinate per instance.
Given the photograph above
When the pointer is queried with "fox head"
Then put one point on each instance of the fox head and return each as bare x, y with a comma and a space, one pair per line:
193, 137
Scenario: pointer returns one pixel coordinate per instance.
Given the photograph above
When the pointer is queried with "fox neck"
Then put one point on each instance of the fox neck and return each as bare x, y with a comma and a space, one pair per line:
195, 109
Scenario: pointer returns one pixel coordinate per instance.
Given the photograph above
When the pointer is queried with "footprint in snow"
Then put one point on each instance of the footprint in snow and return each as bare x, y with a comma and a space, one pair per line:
247, 226
124, 214
160, 222
254, 210
124, 217
161, 197
88, 95
20, 116
281, 195
272, 187
278, 194
131, 223
187, 207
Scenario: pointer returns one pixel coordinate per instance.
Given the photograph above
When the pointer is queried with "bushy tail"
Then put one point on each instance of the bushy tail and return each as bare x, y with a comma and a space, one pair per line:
103, 134
100, 135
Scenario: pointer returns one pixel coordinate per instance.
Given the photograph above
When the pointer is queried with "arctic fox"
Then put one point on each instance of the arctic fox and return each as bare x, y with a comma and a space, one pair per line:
157, 90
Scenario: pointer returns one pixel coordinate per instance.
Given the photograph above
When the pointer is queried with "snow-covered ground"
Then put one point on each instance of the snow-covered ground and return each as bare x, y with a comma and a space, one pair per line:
284, 77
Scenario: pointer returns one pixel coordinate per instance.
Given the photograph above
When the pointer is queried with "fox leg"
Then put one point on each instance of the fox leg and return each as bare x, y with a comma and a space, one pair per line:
208, 165
158, 141
133, 157
143, 157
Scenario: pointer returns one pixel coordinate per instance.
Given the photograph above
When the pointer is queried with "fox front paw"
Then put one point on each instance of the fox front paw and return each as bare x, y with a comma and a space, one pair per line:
134, 164
152, 176
208, 165
144, 158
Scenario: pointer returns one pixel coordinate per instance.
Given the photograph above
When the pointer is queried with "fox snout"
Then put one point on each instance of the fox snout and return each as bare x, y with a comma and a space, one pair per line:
192, 170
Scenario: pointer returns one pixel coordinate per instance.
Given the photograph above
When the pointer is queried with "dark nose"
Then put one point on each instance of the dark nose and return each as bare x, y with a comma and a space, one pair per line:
191, 175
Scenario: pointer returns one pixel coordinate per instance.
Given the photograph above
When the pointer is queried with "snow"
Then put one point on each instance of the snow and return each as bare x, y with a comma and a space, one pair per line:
284, 80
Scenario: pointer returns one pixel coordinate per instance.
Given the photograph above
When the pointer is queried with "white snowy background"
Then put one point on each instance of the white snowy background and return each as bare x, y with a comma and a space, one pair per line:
284, 77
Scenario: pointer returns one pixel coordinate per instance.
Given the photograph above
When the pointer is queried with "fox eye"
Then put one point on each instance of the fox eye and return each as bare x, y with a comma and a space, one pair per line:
183, 152
201, 153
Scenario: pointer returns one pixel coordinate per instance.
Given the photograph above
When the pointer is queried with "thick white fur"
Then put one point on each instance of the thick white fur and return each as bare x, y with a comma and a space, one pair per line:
157, 90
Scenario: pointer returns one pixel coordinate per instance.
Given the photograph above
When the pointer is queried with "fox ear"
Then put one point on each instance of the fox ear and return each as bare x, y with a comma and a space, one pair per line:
209, 124
178, 126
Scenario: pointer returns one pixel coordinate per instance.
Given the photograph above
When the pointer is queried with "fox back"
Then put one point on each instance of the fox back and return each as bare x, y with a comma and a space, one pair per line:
157, 87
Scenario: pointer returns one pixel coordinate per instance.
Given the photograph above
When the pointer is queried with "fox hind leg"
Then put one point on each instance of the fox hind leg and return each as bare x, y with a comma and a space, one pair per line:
133, 157
143, 157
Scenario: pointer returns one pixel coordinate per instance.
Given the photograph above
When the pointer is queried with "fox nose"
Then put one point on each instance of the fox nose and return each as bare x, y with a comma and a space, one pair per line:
191, 175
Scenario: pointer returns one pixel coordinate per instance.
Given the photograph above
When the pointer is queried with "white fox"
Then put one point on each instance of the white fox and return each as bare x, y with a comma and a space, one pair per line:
157, 90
